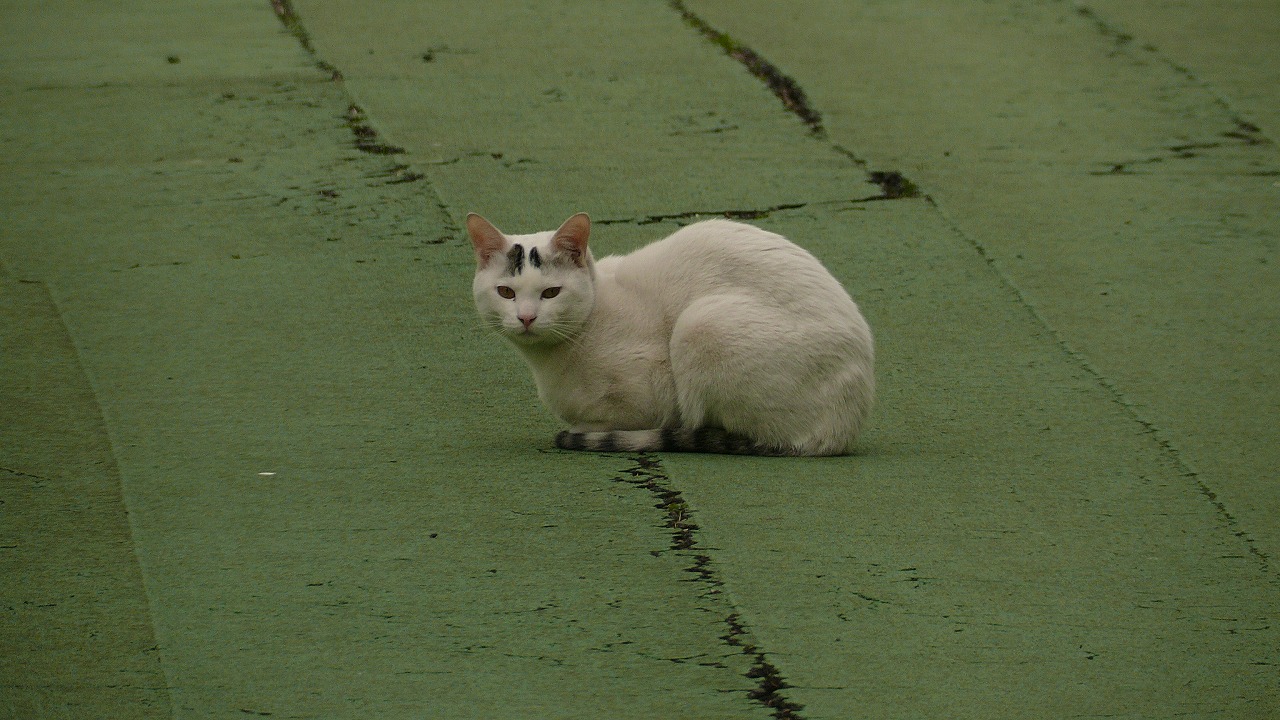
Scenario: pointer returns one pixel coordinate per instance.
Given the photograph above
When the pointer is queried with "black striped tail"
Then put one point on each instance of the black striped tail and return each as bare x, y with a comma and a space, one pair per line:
697, 440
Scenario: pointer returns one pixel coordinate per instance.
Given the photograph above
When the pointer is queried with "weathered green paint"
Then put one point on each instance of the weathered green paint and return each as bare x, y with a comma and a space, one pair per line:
259, 458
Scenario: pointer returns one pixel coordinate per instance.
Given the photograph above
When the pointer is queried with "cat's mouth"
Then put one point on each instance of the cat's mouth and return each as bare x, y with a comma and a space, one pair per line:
536, 333
524, 334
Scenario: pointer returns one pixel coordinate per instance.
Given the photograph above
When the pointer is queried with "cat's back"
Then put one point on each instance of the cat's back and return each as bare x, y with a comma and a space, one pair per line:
723, 255
715, 241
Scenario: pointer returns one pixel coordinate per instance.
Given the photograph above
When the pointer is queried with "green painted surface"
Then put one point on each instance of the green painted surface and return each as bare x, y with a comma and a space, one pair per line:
259, 458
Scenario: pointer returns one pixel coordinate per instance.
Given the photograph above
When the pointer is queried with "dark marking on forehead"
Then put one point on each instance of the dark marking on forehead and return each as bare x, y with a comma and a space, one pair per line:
515, 259
534, 258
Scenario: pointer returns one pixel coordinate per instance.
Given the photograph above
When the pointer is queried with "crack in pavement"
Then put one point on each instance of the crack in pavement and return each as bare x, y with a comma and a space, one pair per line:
689, 214
19, 473
896, 185
1117, 396
289, 18
367, 138
1245, 134
1123, 44
647, 473
794, 99
782, 85
768, 682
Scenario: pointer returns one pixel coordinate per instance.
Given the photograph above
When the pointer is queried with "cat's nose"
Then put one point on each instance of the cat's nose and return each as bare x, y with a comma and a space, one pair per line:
528, 320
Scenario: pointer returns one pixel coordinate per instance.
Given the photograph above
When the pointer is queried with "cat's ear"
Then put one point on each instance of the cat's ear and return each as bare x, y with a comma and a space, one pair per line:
571, 239
487, 239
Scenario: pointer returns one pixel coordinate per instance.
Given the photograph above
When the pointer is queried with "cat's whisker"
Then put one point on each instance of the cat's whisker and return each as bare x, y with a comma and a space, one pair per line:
563, 334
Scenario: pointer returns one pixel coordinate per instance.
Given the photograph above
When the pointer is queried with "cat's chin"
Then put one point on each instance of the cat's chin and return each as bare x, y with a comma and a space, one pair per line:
530, 337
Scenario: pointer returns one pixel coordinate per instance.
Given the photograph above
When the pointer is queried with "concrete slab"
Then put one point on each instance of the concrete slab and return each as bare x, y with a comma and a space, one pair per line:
1123, 196
304, 475
77, 637
1230, 51
526, 111
224, 280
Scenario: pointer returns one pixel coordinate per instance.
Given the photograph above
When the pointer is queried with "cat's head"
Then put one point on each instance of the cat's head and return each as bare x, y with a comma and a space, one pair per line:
534, 289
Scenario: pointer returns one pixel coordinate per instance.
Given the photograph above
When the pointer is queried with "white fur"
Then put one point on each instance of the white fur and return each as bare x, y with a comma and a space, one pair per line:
721, 324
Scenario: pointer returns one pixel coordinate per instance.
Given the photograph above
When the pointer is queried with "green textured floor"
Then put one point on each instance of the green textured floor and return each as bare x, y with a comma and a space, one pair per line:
259, 459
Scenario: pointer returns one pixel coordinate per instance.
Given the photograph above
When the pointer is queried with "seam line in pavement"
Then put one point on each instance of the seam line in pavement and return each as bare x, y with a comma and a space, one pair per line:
1117, 396
782, 85
794, 99
1124, 40
647, 473
131, 518
896, 186
367, 138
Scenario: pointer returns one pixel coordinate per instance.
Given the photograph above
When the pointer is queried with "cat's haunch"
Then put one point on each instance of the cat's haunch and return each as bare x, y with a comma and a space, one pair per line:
719, 338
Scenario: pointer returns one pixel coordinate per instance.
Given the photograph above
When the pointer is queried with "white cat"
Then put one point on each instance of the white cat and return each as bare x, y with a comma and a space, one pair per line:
720, 338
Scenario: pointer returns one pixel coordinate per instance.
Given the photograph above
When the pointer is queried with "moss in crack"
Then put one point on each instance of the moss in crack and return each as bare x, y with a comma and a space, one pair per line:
894, 184
366, 136
1247, 132
769, 681
289, 18
769, 684
783, 86
692, 214
293, 24
367, 139
647, 473
1244, 134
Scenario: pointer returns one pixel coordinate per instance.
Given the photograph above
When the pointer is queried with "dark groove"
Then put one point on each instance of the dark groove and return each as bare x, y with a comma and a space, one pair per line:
367, 139
1229, 520
1245, 134
689, 214
647, 473
289, 18
1123, 44
366, 136
894, 185
19, 473
783, 86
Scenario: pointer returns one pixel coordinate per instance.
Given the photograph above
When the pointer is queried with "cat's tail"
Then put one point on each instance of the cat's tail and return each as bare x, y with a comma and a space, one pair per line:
698, 440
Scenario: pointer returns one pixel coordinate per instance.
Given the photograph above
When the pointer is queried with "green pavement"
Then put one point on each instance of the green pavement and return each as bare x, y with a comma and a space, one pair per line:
259, 459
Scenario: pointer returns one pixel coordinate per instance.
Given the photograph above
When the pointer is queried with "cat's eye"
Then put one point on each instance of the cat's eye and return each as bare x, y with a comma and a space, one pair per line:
506, 292
550, 293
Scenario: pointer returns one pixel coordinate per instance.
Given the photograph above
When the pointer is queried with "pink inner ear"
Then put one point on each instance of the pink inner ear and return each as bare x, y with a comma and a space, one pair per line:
572, 237
487, 239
